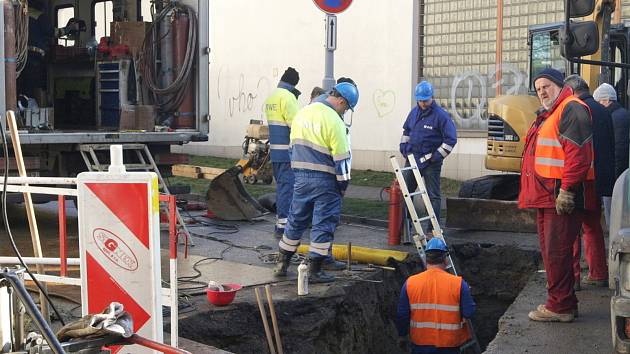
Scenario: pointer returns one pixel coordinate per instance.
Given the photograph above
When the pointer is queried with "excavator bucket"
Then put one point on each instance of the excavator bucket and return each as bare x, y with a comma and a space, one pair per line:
228, 199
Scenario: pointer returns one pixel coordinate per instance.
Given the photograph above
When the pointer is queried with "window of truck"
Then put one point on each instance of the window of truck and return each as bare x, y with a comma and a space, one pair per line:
62, 15
545, 53
102, 16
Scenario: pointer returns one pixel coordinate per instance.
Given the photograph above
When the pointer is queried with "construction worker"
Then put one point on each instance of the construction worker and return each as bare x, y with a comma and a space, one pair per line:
316, 92
320, 158
433, 305
557, 177
430, 134
280, 109
604, 163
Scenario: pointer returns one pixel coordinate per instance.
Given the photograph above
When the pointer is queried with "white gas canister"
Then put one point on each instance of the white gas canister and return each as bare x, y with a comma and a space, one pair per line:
302, 279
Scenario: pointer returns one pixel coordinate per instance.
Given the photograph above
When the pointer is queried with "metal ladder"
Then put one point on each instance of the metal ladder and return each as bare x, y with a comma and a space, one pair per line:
146, 163
420, 238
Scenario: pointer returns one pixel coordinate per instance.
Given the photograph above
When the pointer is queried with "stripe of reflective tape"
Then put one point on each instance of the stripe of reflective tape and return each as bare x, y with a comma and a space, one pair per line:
452, 308
311, 145
275, 122
340, 157
405, 139
312, 166
442, 152
548, 142
447, 147
549, 161
319, 248
434, 325
279, 146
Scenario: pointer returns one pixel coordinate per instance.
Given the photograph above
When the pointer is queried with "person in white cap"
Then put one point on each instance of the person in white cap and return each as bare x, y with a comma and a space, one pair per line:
606, 95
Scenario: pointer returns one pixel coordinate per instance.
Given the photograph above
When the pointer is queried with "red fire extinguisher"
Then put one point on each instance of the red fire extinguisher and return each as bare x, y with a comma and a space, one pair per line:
395, 213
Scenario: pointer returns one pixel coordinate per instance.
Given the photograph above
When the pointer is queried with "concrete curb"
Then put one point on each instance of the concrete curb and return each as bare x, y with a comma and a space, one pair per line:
353, 219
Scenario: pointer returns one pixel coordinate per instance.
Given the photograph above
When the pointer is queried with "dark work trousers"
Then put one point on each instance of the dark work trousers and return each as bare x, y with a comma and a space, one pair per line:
594, 247
557, 235
431, 175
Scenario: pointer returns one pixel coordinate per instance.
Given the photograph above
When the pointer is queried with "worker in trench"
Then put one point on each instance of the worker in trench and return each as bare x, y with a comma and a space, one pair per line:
430, 135
433, 306
557, 179
320, 158
604, 165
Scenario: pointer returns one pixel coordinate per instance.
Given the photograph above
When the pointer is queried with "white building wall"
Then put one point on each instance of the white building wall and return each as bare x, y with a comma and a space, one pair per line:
252, 43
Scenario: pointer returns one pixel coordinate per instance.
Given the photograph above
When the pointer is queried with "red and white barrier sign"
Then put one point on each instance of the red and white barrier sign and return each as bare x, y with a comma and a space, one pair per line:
120, 247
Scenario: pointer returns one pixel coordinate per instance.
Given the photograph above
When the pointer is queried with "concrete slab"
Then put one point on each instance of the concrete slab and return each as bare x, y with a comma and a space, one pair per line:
590, 333
221, 271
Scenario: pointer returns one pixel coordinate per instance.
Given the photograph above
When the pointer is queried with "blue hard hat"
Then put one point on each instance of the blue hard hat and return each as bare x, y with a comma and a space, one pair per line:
349, 92
436, 244
424, 91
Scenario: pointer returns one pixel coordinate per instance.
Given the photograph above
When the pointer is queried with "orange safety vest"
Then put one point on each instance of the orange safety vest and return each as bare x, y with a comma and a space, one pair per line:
434, 298
549, 161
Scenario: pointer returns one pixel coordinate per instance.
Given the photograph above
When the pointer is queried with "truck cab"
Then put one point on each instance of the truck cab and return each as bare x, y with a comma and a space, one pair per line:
104, 72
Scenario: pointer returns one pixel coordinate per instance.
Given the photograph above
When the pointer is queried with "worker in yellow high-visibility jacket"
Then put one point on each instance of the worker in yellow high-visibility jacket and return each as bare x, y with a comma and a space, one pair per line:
320, 158
280, 108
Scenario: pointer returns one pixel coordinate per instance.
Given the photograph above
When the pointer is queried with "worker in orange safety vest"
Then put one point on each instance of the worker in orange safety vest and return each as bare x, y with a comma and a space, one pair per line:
433, 306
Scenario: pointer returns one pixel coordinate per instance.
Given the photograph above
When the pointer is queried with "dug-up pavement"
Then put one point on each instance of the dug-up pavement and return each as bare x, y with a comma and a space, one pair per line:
241, 245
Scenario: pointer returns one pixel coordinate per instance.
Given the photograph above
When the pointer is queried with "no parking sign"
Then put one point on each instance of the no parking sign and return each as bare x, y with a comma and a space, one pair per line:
332, 6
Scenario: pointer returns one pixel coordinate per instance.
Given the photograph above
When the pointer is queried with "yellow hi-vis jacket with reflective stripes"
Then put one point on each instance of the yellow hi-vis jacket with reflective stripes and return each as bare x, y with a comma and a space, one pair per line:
280, 109
319, 141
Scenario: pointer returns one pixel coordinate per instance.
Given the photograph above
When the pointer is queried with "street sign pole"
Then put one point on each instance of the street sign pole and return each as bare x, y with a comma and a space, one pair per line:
331, 45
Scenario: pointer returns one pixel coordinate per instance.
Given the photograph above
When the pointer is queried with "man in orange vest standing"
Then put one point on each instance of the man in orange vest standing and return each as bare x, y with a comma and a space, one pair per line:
557, 179
433, 306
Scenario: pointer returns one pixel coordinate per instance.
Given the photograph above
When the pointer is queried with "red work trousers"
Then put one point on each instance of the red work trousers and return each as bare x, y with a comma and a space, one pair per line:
594, 247
557, 235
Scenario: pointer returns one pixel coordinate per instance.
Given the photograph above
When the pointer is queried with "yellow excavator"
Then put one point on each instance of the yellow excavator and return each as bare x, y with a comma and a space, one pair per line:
491, 199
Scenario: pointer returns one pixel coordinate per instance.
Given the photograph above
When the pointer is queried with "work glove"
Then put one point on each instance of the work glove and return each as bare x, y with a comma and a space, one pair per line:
565, 202
113, 320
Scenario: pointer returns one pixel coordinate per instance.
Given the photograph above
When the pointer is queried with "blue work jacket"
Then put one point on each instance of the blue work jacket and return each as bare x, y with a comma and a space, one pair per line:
429, 134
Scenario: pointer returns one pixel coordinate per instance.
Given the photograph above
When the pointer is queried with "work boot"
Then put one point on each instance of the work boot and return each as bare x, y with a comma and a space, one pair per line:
576, 313
333, 265
542, 314
587, 280
284, 260
315, 272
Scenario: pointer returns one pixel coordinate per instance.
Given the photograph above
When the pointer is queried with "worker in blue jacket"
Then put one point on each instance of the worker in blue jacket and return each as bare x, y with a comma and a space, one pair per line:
280, 109
430, 135
320, 158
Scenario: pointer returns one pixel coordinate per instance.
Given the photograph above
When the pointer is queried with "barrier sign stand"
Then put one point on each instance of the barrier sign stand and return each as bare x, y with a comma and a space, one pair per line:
119, 241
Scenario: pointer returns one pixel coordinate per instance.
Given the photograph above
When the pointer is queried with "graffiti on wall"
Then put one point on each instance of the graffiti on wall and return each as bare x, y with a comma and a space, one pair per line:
242, 95
470, 89
384, 102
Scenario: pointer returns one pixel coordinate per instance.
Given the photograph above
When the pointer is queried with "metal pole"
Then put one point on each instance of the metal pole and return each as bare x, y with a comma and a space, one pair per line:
63, 254
331, 45
32, 310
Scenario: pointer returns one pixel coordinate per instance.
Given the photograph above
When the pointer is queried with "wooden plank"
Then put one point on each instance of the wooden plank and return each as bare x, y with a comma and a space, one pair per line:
28, 203
199, 172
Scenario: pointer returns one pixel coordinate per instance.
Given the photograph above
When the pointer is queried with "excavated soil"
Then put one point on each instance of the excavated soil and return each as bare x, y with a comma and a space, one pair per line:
357, 316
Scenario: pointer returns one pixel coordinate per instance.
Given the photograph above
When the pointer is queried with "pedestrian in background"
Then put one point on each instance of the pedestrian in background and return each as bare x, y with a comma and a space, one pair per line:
557, 178
320, 158
604, 162
430, 135
316, 92
280, 109
433, 306
606, 95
